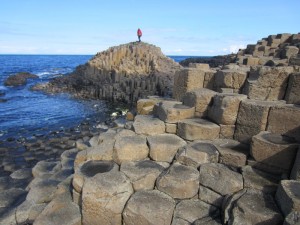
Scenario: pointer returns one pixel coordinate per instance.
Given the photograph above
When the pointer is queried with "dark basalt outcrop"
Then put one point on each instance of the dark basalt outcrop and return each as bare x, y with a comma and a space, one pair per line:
122, 73
215, 61
19, 79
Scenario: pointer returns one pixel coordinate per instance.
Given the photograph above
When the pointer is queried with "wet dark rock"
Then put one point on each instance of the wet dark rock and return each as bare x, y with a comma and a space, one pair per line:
19, 79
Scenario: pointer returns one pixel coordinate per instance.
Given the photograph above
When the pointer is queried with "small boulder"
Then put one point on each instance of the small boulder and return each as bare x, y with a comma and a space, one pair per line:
148, 125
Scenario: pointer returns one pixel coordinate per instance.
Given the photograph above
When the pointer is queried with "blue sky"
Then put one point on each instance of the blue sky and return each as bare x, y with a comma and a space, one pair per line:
190, 27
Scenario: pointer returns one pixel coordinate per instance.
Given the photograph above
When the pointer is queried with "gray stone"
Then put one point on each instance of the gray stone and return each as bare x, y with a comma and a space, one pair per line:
274, 149
254, 207
292, 219
231, 152
163, 147
179, 181
227, 78
45, 168
102, 151
292, 95
200, 99
104, 197
24, 173
291, 125
172, 111
252, 118
187, 211
224, 109
290, 51
148, 125
130, 148
142, 174
260, 180
198, 129
149, 207
197, 153
220, 178
288, 196
295, 173
210, 197
28, 211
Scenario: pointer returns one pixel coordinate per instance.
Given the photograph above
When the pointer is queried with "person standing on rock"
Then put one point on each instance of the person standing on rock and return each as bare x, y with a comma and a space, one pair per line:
139, 34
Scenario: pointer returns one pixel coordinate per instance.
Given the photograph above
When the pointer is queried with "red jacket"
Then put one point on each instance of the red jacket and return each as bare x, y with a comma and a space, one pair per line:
139, 32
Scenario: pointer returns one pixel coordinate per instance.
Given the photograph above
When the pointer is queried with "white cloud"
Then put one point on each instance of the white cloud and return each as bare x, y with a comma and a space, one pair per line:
235, 48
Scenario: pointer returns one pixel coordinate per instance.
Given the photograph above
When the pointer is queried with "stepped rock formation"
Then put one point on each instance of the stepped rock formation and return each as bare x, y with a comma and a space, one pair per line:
122, 73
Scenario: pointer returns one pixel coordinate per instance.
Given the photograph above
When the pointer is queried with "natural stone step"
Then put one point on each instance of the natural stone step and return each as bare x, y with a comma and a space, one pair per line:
148, 125
288, 196
149, 207
252, 207
197, 153
231, 152
172, 111
197, 129
200, 99
179, 181
274, 149
104, 197
142, 174
163, 147
295, 173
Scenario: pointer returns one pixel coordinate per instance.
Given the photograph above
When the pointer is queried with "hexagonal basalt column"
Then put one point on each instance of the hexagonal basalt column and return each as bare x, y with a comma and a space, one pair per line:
198, 129
149, 207
197, 153
87, 170
274, 149
179, 181
142, 174
104, 197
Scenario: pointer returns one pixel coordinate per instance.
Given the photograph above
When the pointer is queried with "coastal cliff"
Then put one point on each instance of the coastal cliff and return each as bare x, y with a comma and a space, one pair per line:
122, 73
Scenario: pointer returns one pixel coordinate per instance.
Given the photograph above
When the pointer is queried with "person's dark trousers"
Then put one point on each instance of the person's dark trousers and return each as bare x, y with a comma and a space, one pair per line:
139, 38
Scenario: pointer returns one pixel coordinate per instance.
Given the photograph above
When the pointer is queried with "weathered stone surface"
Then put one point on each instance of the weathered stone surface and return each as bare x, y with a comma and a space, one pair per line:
231, 152
179, 181
163, 147
187, 211
225, 108
254, 207
220, 178
89, 169
200, 99
251, 61
210, 197
288, 196
18, 79
293, 95
45, 168
291, 125
149, 207
197, 153
59, 211
130, 148
252, 118
103, 151
198, 129
24, 173
203, 66
142, 174
145, 106
187, 80
104, 197
295, 173
290, 51
172, 111
207, 221
292, 219
28, 211
227, 131
259, 180
227, 78
171, 128
39, 188
267, 83
274, 149
267, 168
148, 125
